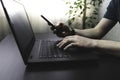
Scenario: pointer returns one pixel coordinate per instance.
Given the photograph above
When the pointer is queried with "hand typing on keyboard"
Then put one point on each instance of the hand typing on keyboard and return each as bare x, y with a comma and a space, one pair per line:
76, 41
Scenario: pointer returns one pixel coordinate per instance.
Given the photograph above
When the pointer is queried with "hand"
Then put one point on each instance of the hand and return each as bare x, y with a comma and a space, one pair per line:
63, 30
78, 41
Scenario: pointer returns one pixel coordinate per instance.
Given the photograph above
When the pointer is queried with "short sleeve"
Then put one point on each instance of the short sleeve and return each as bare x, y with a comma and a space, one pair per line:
111, 12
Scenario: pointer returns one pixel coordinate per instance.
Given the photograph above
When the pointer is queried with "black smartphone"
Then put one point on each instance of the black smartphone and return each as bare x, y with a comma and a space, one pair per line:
49, 23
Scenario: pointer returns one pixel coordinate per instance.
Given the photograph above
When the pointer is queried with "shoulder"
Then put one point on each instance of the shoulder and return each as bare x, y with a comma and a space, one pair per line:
114, 5
114, 2
113, 10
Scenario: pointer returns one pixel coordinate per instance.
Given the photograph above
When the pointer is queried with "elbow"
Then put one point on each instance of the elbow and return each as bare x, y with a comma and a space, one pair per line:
98, 34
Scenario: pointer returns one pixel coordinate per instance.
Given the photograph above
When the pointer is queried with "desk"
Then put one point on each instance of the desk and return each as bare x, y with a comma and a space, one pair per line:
13, 68
11, 63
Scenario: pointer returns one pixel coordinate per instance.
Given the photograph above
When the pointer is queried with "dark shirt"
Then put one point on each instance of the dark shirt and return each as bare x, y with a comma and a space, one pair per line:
113, 11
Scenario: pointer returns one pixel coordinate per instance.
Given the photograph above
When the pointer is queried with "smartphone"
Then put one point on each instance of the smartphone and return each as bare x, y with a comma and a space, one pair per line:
49, 23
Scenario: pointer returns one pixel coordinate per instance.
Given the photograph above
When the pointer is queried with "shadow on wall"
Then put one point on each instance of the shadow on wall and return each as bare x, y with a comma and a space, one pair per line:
4, 26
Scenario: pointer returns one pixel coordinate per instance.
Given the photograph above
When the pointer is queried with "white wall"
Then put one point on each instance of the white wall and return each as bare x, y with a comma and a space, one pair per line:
54, 10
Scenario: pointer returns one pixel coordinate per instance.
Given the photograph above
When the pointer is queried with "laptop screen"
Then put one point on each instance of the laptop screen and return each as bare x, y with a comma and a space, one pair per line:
20, 26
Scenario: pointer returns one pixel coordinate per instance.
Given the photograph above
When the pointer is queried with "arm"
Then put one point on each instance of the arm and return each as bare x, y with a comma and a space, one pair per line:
103, 46
108, 47
99, 31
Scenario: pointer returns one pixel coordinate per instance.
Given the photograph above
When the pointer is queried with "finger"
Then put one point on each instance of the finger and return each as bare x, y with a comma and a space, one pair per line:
67, 39
54, 30
63, 32
68, 46
63, 43
59, 43
61, 24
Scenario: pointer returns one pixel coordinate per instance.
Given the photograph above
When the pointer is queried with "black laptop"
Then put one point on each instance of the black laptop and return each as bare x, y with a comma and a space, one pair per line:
43, 48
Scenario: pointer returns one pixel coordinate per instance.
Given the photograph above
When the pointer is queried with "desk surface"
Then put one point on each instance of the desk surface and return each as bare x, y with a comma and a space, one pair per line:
11, 63
13, 68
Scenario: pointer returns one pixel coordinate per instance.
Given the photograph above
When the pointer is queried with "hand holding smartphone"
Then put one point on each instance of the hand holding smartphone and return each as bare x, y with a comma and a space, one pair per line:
60, 30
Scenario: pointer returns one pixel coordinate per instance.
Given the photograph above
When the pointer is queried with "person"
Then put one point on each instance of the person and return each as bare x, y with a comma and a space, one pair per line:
91, 38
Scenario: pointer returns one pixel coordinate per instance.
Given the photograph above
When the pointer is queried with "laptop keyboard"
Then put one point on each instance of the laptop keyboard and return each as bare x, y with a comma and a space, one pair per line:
48, 49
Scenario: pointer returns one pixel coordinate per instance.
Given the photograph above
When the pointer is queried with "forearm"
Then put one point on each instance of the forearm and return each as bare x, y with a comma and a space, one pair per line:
109, 47
90, 33
98, 31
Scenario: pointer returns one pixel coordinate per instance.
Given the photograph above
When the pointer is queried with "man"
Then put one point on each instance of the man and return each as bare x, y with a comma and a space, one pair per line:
90, 38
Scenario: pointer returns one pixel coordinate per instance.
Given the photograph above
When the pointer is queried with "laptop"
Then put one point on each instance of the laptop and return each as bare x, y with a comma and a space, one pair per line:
43, 48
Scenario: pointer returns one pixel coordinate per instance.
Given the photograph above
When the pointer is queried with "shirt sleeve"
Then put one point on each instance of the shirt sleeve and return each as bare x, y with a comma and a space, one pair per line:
111, 11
